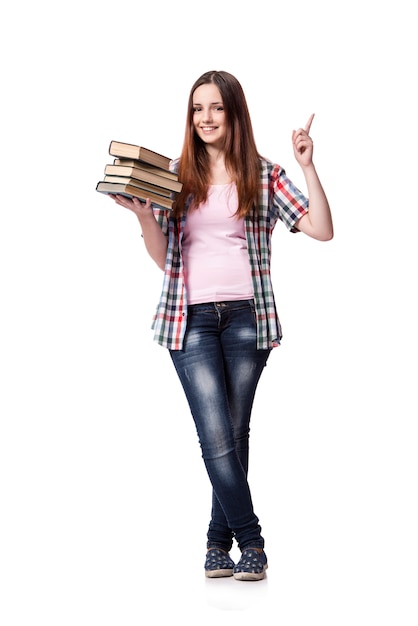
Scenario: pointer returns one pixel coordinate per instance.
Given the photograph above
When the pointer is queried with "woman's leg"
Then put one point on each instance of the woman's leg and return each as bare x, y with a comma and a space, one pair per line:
219, 368
241, 388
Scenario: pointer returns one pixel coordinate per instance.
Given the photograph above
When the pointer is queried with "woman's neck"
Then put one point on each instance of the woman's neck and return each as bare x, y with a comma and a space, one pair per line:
218, 174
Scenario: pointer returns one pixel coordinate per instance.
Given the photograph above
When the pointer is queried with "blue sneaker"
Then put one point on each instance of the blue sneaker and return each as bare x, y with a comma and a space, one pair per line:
252, 565
218, 563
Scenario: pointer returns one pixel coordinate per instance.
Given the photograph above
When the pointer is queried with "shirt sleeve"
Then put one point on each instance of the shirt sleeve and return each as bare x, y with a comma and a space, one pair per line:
289, 203
162, 217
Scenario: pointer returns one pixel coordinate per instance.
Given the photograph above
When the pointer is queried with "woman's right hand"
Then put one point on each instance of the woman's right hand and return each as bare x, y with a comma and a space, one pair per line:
141, 209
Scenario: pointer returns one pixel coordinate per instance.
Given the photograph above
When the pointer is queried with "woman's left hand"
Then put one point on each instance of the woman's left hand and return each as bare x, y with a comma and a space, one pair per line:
303, 144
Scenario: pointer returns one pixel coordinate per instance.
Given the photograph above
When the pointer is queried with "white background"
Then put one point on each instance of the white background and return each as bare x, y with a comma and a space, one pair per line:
104, 498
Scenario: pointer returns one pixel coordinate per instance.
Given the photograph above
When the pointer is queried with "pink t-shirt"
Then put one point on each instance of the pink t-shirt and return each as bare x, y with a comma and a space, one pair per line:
214, 248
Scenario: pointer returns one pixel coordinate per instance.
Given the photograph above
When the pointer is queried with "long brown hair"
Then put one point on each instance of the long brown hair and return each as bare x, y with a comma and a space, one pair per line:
242, 159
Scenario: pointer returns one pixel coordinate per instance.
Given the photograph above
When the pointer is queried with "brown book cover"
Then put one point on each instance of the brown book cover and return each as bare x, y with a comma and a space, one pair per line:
139, 153
145, 166
133, 191
138, 183
140, 174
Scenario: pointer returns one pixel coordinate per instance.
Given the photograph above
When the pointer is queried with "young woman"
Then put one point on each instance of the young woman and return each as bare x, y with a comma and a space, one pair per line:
217, 314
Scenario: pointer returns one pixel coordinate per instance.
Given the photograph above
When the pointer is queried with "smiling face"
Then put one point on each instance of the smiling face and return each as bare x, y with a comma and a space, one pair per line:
209, 118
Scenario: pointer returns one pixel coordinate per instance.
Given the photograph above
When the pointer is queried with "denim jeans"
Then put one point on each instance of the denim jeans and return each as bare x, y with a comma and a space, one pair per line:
219, 368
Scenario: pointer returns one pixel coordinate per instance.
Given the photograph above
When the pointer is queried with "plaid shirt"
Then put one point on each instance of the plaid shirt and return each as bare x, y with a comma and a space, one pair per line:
279, 200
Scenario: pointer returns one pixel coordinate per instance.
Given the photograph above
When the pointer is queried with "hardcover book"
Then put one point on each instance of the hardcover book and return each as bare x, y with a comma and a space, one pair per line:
139, 153
145, 166
142, 173
138, 183
145, 175
130, 191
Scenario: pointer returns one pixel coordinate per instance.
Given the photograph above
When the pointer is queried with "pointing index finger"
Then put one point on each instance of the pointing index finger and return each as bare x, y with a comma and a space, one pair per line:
309, 123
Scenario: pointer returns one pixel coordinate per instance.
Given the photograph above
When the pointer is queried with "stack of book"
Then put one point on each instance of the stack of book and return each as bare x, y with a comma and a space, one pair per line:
141, 173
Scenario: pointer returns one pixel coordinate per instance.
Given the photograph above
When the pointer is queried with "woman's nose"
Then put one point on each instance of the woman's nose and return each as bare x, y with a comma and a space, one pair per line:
207, 116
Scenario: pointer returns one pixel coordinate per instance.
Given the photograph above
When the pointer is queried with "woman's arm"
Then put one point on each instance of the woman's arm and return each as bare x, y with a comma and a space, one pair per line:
317, 223
154, 238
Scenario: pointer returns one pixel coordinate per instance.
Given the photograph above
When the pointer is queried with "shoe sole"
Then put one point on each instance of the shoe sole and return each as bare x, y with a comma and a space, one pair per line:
250, 575
218, 573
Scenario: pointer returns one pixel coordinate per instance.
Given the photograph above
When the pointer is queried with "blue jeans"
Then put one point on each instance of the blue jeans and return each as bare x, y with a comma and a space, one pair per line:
219, 368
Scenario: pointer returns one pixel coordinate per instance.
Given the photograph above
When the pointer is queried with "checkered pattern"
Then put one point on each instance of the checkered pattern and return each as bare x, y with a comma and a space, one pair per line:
280, 200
